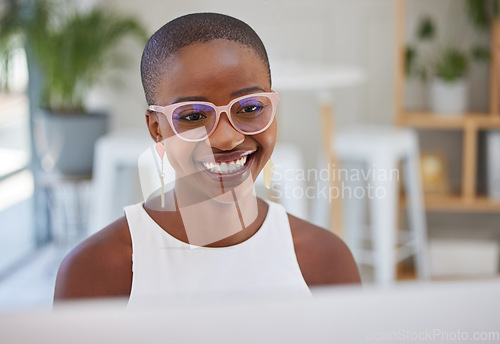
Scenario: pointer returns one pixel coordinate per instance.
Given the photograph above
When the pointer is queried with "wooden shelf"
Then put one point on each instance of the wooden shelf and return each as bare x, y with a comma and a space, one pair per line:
469, 124
429, 120
457, 203
462, 204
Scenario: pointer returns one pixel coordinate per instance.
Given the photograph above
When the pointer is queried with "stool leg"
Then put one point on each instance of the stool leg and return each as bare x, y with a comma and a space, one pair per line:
354, 211
416, 212
103, 188
383, 202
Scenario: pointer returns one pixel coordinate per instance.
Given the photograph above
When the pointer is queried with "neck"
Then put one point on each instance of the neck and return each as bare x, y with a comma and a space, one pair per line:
224, 220
215, 218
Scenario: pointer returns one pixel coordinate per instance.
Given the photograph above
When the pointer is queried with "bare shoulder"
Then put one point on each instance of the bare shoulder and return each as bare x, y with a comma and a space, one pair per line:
101, 266
323, 257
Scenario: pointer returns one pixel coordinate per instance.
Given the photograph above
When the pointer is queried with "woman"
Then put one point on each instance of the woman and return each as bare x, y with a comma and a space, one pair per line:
207, 81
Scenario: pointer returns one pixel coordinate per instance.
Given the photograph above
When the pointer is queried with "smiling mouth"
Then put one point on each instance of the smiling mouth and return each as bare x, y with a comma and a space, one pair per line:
227, 167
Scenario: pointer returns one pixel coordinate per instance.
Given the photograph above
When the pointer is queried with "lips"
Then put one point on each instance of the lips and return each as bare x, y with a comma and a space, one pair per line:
226, 165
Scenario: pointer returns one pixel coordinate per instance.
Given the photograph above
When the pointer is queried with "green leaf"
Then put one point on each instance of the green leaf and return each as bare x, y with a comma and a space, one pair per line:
411, 55
426, 29
452, 65
480, 53
481, 12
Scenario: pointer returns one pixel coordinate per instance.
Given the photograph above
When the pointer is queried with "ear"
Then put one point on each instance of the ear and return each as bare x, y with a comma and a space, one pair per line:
153, 126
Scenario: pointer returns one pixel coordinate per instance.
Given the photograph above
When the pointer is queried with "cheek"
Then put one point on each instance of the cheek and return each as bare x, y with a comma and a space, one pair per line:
179, 155
166, 130
178, 151
267, 140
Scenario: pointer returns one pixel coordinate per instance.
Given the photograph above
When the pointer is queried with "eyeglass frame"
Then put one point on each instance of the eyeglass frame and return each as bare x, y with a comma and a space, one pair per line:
168, 111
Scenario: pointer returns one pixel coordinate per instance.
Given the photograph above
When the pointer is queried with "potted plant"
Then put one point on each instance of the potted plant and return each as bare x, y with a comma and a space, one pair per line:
449, 90
445, 66
73, 50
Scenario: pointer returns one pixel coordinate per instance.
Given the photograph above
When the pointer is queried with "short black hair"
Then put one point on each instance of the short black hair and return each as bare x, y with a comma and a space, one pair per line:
189, 29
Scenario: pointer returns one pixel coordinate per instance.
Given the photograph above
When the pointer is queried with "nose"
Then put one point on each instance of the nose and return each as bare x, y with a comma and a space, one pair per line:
225, 137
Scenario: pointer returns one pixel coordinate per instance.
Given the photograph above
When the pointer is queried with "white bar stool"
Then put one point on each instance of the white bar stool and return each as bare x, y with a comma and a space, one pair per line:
380, 149
114, 154
289, 75
287, 186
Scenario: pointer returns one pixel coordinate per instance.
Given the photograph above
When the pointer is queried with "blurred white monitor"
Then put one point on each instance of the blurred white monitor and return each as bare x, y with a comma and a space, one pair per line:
432, 312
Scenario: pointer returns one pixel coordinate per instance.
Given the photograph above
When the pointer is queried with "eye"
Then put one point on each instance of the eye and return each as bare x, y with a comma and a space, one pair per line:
250, 108
193, 117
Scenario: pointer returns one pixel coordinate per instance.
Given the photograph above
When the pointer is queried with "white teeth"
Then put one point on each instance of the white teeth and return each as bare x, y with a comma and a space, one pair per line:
226, 167
232, 167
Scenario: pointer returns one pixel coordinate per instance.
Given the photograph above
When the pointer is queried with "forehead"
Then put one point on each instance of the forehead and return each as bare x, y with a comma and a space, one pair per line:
212, 70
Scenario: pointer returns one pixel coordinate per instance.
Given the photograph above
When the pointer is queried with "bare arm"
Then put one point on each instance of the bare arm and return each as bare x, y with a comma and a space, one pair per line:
323, 257
101, 266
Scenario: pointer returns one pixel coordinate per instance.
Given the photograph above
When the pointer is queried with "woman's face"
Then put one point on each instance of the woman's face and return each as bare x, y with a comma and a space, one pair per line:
218, 72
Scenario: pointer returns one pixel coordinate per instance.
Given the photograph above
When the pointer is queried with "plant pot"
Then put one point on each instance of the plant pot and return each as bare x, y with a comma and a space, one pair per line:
65, 141
449, 98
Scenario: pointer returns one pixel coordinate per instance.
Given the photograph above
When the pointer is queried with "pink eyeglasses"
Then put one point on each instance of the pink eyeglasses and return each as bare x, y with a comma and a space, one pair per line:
195, 121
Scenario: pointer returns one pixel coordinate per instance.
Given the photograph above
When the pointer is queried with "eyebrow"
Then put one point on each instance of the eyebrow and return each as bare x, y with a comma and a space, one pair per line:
247, 90
234, 94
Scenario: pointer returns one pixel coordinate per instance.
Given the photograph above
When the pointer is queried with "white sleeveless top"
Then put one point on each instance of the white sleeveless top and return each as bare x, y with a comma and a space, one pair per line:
164, 266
